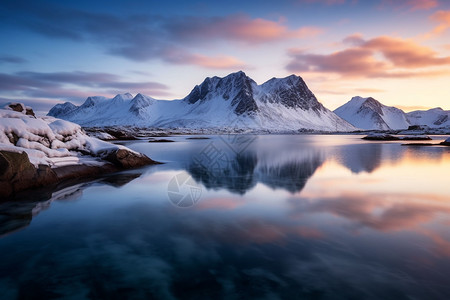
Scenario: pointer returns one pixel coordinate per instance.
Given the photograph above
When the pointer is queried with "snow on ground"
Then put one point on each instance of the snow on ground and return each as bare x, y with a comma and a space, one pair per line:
50, 141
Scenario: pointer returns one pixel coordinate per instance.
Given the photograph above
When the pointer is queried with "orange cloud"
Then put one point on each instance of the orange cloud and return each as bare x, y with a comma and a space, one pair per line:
181, 57
379, 57
441, 17
405, 53
217, 62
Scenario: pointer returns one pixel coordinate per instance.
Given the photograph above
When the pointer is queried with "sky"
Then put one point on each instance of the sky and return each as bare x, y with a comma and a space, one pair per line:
397, 51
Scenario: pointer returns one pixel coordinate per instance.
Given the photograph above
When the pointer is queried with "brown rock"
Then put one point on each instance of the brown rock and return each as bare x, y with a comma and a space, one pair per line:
17, 173
30, 112
126, 159
19, 107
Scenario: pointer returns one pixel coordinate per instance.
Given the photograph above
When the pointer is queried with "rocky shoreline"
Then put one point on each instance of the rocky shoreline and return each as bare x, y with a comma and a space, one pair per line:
18, 174
39, 152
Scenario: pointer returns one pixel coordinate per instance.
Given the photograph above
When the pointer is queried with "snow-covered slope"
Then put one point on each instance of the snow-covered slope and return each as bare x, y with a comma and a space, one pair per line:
434, 118
232, 102
370, 114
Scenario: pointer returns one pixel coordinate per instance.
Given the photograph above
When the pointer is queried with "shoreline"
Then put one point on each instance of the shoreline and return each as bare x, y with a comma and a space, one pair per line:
18, 174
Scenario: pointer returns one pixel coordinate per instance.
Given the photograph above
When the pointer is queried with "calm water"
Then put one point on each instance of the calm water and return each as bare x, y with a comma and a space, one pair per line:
243, 217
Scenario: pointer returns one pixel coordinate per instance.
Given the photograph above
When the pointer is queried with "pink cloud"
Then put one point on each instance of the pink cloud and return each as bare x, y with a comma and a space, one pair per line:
441, 17
422, 4
378, 57
405, 53
412, 5
238, 28
181, 57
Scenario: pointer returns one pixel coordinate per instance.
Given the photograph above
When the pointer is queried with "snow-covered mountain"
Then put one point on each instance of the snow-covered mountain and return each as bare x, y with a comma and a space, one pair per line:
231, 102
370, 114
434, 118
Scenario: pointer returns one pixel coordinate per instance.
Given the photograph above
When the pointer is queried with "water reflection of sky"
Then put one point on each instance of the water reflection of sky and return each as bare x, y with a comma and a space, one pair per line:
313, 217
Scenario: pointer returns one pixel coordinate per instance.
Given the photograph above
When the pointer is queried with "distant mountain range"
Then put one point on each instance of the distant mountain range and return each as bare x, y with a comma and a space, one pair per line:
370, 114
237, 103
234, 102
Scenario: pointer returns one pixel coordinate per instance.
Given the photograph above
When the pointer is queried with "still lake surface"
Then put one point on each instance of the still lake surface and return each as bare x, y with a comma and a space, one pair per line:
241, 217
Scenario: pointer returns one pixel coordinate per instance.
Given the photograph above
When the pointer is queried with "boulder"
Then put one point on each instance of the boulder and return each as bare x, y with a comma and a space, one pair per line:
17, 173
126, 159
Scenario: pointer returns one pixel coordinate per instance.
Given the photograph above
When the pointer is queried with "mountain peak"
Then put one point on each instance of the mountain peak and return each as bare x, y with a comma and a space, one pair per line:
237, 87
369, 113
291, 91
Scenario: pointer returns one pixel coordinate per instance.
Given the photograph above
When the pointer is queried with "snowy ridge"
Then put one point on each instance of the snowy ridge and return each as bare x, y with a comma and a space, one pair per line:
370, 114
234, 102
434, 118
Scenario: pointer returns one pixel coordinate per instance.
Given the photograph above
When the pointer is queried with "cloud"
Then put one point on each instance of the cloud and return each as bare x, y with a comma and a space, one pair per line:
72, 85
411, 5
181, 57
236, 28
405, 53
355, 39
12, 59
422, 4
369, 90
375, 58
441, 17
146, 37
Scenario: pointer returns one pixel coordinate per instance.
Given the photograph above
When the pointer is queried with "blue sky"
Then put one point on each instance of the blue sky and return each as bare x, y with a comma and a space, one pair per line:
57, 51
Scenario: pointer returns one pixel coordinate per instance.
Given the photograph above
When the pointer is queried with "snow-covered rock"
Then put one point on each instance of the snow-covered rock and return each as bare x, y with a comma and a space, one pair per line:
34, 151
234, 102
20, 107
47, 141
370, 114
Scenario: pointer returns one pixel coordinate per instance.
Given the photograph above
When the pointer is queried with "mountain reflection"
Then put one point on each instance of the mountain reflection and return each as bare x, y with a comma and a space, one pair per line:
281, 165
238, 173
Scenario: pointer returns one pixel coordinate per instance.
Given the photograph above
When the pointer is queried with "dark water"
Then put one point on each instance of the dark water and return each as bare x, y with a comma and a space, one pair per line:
265, 217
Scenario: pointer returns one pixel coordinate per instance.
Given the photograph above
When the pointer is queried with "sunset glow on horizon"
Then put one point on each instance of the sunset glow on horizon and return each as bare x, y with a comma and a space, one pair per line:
395, 51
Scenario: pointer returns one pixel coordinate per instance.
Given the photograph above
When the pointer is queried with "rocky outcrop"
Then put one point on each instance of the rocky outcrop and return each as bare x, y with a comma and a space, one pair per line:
18, 174
388, 137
